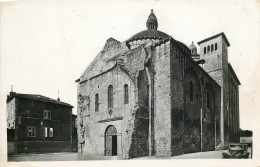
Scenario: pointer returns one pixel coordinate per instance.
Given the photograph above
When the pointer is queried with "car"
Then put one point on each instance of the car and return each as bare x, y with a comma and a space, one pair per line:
236, 150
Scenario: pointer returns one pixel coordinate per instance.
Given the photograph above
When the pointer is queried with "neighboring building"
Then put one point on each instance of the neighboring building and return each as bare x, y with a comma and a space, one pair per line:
151, 95
36, 123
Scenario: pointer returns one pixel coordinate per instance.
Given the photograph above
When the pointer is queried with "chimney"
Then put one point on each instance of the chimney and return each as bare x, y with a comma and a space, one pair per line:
58, 99
12, 92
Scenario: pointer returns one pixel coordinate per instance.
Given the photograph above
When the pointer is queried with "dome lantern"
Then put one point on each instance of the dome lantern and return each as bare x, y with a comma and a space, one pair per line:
151, 22
193, 48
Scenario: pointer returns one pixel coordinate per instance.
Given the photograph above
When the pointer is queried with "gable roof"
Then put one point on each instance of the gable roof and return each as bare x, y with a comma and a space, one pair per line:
36, 97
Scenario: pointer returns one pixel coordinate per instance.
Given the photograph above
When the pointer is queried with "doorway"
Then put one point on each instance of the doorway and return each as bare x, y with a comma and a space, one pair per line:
111, 141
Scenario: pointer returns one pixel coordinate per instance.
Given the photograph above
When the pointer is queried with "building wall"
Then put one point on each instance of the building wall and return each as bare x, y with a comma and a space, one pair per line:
233, 108
189, 119
154, 90
30, 113
94, 123
74, 134
10, 113
162, 100
192, 112
216, 64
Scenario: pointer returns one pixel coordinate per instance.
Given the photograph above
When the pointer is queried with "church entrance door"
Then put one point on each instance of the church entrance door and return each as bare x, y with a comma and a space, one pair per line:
111, 141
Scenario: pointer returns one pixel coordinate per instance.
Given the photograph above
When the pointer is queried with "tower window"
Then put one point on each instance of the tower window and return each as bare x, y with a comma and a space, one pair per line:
208, 49
212, 48
191, 91
96, 102
126, 94
216, 46
205, 50
110, 96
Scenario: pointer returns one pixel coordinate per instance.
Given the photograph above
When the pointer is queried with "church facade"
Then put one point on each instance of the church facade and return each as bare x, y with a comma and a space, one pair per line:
154, 96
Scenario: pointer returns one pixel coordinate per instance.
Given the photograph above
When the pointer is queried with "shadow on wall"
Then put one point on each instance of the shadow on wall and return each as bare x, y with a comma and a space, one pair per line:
139, 146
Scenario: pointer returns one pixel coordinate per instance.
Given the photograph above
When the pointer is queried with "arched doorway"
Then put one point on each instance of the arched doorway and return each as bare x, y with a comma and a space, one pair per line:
110, 141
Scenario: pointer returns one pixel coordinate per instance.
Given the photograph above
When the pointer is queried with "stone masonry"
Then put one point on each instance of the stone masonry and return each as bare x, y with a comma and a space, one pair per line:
173, 105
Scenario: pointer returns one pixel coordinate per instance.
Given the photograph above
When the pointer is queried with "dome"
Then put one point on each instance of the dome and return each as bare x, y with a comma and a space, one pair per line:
151, 32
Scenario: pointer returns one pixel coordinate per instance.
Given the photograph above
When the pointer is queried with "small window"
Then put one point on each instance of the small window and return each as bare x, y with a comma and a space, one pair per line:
205, 50
96, 102
191, 91
11, 113
208, 100
31, 131
212, 48
47, 114
208, 49
126, 94
216, 46
110, 96
48, 132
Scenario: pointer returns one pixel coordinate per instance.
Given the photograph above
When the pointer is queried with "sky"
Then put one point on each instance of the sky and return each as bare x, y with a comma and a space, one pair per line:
46, 45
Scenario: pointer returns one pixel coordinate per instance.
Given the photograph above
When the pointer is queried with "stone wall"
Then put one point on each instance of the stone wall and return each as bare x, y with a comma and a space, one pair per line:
92, 124
216, 65
162, 100
186, 113
155, 76
192, 112
233, 108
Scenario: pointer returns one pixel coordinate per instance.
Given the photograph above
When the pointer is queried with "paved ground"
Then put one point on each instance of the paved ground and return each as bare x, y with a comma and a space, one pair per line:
198, 155
64, 156
75, 157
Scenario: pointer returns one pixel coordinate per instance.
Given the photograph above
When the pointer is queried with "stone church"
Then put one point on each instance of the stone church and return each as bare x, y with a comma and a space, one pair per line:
154, 96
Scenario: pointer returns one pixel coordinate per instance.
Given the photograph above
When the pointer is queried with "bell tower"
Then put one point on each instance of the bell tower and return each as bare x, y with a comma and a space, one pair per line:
214, 50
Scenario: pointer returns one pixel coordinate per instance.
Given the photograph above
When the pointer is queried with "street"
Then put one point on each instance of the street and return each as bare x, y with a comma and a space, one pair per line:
73, 156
